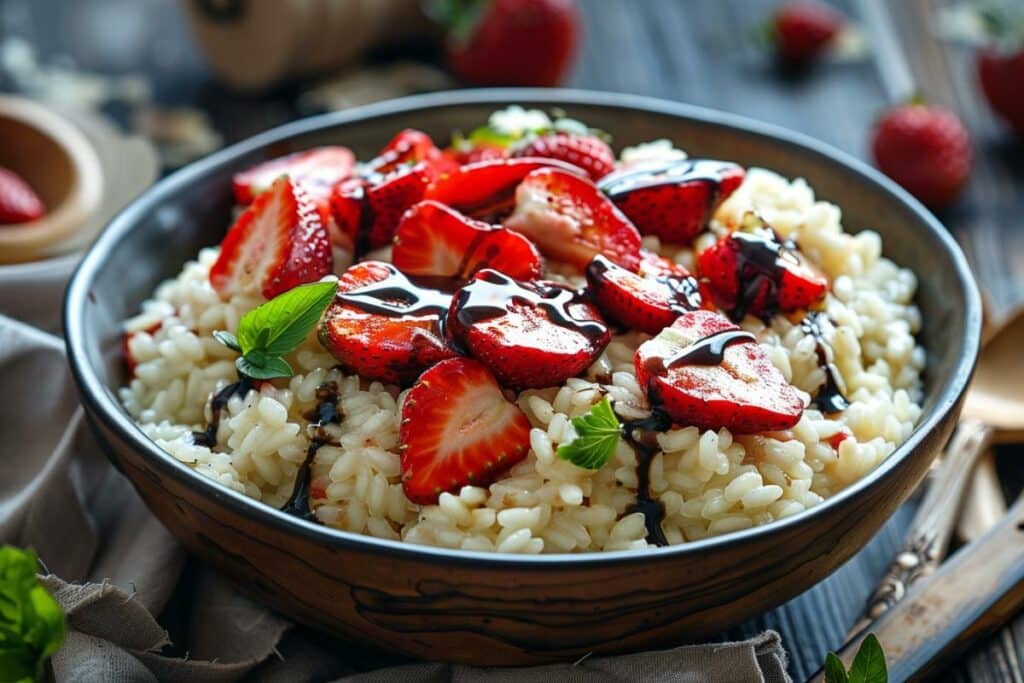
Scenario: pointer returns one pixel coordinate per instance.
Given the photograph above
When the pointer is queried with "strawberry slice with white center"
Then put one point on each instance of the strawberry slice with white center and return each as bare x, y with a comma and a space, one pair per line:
706, 372
458, 429
648, 304
276, 244
434, 240
318, 170
589, 152
570, 220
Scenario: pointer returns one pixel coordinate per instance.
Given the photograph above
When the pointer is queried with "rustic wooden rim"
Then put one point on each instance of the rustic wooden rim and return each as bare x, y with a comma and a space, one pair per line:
104, 406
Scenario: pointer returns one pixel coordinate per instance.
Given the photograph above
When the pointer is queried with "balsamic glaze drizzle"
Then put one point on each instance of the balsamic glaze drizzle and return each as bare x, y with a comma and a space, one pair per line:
674, 172
396, 296
710, 350
684, 292
208, 437
760, 266
326, 412
490, 294
646, 447
829, 399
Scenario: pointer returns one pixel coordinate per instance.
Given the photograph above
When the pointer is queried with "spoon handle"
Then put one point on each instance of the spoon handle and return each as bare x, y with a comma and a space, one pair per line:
928, 537
969, 596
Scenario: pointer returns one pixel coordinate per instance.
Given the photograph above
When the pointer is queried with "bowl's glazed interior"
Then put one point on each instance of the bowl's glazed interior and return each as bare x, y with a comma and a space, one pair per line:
388, 592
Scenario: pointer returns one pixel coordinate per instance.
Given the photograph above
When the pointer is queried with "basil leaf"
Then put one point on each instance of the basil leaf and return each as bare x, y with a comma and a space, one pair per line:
279, 325
835, 672
490, 136
227, 339
869, 663
31, 622
597, 436
259, 366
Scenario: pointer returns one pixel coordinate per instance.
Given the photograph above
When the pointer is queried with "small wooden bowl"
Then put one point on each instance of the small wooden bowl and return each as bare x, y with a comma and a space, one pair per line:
60, 164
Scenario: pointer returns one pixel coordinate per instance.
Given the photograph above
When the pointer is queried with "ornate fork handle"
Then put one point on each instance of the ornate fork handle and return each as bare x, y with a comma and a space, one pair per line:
928, 537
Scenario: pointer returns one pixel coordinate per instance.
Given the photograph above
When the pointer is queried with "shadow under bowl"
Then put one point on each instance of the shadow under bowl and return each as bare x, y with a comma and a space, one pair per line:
483, 608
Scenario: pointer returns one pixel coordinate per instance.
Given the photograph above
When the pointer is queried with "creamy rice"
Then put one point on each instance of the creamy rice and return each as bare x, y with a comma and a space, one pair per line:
709, 482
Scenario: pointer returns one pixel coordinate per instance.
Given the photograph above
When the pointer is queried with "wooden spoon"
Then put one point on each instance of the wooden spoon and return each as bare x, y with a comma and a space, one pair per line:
993, 410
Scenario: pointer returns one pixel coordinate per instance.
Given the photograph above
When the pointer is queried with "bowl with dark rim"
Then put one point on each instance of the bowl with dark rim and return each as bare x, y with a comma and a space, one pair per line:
485, 608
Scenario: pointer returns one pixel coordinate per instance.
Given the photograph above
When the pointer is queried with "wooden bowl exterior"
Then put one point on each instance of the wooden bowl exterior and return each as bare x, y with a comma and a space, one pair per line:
485, 609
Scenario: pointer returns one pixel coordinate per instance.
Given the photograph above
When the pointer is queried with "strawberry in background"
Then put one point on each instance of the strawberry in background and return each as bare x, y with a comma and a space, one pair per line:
926, 149
1001, 66
801, 31
509, 42
18, 201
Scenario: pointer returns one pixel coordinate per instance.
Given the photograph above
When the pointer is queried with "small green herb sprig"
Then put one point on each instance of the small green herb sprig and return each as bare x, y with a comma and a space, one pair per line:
868, 665
272, 330
597, 436
31, 621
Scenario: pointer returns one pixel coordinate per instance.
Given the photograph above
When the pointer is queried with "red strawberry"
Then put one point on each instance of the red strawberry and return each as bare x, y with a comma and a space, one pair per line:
382, 326
471, 152
926, 150
434, 240
388, 200
588, 152
753, 271
742, 391
673, 200
646, 304
530, 335
458, 429
569, 219
408, 147
802, 30
514, 42
318, 170
347, 210
278, 243
487, 188
1001, 74
18, 201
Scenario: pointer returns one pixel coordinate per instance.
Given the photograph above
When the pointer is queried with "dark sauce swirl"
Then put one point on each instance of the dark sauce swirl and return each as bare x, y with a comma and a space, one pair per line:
491, 294
709, 350
829, 399
683, 292
326, 412
760, 264
219, 401
396, 296
640, 435
676, 172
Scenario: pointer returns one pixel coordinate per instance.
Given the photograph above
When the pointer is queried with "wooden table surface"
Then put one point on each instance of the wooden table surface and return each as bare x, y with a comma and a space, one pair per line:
694, 51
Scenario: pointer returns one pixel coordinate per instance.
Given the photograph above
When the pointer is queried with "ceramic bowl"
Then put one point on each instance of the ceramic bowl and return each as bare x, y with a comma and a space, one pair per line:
485, 608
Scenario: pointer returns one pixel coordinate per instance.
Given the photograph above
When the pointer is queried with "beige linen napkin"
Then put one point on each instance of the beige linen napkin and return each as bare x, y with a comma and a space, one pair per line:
115, 569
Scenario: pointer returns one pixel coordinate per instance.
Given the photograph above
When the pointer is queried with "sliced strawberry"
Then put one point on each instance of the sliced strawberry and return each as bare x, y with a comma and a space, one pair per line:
706, 372
434, 240
754, 271
641, 303
388, 200
654, 266
486, 189
673, 200
530, 335
382, 326
18, 201
318, 170
278, 243
571, 221
458, 429
405, 149
471, 152
347, 210
588, 152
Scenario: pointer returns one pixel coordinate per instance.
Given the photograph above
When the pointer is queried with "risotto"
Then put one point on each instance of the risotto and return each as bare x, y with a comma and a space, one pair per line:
336, 441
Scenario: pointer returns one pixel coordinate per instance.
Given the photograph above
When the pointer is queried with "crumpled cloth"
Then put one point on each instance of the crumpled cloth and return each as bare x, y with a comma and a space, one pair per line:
125, 582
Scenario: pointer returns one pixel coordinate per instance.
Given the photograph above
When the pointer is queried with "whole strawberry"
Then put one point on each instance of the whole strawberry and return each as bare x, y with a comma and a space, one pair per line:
802, 30
511, 42
1000, 63
925, 149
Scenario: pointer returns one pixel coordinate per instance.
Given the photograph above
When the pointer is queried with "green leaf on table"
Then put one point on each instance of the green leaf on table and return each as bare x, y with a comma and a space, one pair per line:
272, 330
31, 621
597, 436
869, 663
835, 672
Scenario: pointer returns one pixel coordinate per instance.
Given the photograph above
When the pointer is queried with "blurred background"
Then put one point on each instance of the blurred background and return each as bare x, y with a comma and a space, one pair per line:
178, 79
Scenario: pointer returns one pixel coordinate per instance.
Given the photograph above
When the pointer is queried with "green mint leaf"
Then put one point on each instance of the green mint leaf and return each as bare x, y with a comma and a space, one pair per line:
278, 326
31, 622
259, 366
489, 136
597, 435
835, 672
227, 339
869, 663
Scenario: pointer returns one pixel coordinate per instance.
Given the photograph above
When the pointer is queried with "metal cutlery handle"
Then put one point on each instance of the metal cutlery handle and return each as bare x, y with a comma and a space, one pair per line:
928, 537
